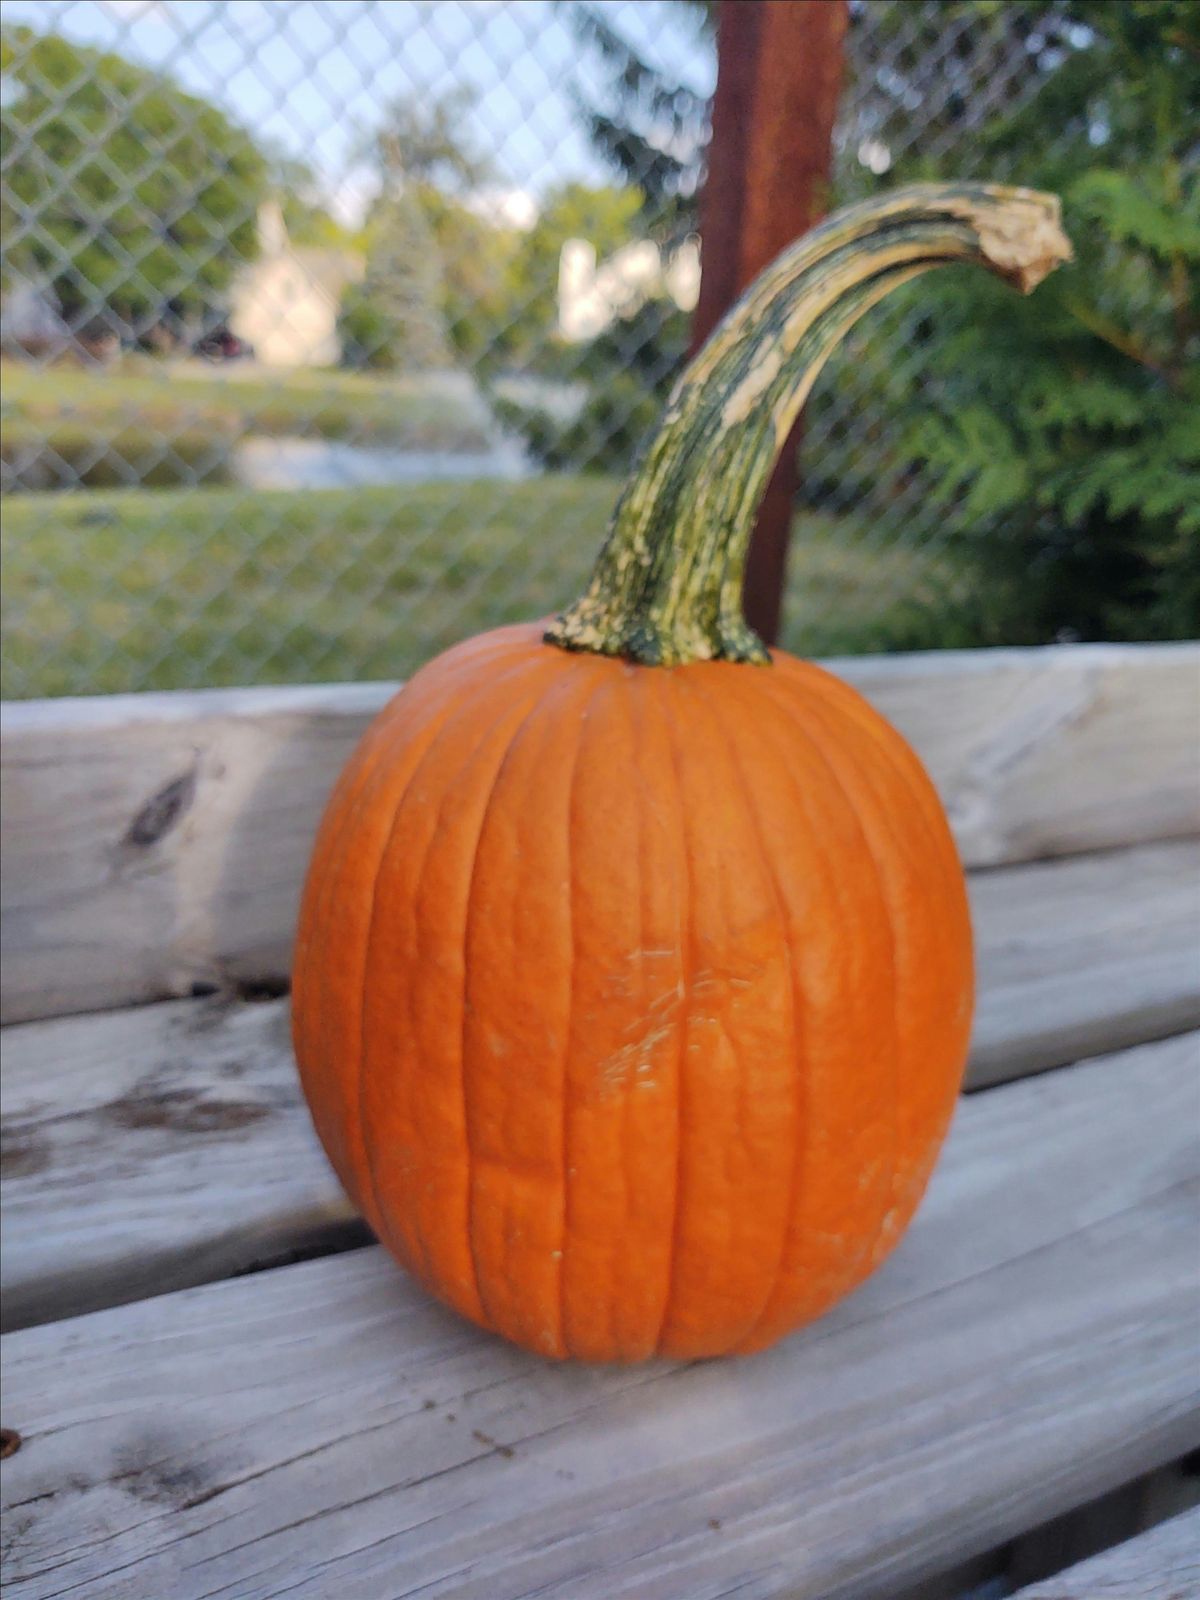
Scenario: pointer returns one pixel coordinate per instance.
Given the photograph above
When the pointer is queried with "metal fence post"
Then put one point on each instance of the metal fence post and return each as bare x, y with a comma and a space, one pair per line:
778, 79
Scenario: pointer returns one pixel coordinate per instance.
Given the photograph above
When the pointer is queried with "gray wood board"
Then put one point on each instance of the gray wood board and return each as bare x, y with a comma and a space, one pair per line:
163, 1146
153, 1148
1083, 955
155, 842
324, 1429
1161, 1564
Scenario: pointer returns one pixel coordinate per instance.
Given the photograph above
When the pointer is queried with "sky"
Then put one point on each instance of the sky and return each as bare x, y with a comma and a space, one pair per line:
314, 75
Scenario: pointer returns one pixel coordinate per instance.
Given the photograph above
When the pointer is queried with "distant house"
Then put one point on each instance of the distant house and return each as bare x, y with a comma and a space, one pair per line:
285, 304
30, 320
592, 295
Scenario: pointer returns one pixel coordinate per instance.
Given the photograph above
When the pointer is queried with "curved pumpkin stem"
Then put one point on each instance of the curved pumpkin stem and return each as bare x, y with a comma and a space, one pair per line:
667, 586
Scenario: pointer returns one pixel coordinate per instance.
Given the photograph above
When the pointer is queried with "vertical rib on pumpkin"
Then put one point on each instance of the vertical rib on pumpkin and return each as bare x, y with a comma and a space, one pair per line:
667, 586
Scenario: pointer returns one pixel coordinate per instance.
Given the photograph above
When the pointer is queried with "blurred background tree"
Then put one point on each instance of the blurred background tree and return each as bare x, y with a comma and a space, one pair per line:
1059, 436
607, 217
649, 126
1058, 439
396, 318
652, 129
306, 216
145, 197
392, 320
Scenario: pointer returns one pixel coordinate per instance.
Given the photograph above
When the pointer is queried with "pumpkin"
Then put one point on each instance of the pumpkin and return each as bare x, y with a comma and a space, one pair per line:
633, 978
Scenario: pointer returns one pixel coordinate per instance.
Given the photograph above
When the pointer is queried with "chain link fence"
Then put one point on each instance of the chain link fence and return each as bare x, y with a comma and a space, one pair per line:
329, 328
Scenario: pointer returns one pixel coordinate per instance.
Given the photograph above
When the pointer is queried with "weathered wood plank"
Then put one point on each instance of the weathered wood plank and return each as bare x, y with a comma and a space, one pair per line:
1084, 955
157, 842
167, 1145
153, 843
1161, 1564
154, 1148
1048, 752
323, 1429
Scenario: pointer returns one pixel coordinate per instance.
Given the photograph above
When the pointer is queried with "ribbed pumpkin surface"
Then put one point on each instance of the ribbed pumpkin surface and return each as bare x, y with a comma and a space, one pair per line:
631, 1003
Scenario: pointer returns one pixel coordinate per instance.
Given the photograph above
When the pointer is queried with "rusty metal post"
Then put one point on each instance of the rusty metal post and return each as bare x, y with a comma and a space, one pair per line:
778, 78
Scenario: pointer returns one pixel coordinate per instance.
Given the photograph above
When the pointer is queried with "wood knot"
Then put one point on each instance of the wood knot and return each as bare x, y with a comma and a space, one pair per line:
161, 812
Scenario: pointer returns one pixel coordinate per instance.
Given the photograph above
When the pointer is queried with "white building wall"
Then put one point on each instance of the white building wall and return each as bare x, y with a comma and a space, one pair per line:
592, 294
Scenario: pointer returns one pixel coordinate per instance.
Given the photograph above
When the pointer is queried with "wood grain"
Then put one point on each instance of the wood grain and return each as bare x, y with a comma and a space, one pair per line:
157, 842
1162, 1564
1048, 752
153, 1148
1084, 955
323, 1429
153, 843
167, 1145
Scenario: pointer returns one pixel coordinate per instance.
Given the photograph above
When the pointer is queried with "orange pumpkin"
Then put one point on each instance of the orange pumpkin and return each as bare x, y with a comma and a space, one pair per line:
633, 975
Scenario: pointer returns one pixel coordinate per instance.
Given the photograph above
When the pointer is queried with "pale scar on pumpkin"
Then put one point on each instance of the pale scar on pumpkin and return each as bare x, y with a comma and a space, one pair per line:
694, 1004
634, 1063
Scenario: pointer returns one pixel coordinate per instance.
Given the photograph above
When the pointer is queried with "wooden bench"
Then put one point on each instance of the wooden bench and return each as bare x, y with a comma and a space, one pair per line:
223, 1389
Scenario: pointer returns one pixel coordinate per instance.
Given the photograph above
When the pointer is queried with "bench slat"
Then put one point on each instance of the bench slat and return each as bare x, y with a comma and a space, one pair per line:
181, 1126
155, 842
324, 1429
1162, 1564
154, 1148
1084, 955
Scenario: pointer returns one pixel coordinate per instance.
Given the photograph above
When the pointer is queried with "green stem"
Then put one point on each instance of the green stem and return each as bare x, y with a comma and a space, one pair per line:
666, 588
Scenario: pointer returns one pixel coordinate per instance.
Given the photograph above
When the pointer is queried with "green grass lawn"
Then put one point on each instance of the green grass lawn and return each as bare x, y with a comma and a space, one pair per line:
106, 592
133, 406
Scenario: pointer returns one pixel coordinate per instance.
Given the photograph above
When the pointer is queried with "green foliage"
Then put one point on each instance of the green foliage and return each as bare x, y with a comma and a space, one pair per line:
496, 289
490, 289
477, 285
437, 273
305, 216
145, 197
603, 437
1059, 436
427, 139
931, 55
392, 320
606, 217
629, 369
651, 127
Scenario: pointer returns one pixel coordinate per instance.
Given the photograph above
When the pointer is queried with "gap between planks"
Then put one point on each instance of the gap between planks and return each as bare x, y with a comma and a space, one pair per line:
1161, 1564
324, 1429
168, 1145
